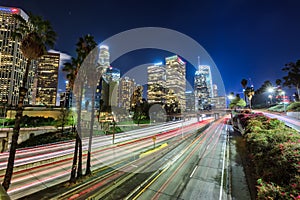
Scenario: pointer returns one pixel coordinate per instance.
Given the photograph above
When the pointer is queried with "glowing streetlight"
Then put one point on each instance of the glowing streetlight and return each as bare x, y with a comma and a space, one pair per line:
230, 97
271, 89
270, 97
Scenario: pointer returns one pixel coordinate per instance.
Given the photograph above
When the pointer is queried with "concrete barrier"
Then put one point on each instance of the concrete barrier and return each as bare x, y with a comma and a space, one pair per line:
24, 134
293, 114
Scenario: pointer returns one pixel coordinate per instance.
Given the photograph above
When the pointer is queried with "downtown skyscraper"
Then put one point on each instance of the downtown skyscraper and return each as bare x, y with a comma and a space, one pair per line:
203, 87
12, 62
176, 82
46, 80
156, 92
167, 84
126, 90
103, 62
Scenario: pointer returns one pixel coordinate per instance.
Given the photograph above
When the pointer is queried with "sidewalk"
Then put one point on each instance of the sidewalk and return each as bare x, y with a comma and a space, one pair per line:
238, 182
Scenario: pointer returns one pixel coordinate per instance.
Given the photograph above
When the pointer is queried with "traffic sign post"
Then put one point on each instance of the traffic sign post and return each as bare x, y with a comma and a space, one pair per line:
154, 139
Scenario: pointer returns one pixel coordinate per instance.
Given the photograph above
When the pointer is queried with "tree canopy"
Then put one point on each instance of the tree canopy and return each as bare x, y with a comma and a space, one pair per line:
237, 102
292, 79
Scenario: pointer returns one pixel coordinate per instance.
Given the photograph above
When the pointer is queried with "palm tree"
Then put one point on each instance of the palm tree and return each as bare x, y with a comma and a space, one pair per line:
83, 47
92, 82
36, 35
278, 82
244, 83
292, 79
249, 91
73, 67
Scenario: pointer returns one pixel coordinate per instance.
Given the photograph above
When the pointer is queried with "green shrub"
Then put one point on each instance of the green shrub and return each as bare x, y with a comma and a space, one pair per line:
267, 190
275, 124
277, 108
275, 154
47, 138
295, 106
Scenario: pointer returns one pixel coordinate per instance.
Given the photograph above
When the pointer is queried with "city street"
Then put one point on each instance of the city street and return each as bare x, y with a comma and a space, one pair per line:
197, 173
42, 167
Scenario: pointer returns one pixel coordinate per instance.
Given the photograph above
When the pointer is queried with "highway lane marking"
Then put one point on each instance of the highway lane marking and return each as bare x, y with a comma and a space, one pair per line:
148, 185
223, 167
193, 171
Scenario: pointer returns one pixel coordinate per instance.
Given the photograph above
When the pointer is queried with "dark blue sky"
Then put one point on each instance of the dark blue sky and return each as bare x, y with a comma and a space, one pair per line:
246, 39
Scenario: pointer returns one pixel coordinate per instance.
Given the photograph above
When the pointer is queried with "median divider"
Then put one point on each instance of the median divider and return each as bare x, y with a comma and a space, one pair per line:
153, 150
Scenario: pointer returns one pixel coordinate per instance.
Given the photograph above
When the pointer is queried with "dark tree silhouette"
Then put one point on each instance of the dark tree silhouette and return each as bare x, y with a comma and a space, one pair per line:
36, 35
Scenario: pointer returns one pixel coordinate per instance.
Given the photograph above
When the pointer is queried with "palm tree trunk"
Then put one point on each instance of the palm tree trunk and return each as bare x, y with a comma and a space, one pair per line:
88, 161
79, 171
298, 92
74, 166
14, 140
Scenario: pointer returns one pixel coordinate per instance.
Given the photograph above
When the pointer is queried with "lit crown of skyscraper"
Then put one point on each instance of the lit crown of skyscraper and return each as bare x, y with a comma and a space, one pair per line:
104, 56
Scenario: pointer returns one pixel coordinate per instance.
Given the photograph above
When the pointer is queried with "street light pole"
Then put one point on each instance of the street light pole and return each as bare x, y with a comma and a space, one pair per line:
283, 100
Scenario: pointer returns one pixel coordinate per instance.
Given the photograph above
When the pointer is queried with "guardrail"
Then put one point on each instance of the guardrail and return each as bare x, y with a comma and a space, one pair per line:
293, 114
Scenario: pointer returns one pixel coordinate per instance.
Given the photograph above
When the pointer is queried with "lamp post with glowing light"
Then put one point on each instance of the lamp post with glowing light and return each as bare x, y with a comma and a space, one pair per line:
270, 90
231, 97
283, 100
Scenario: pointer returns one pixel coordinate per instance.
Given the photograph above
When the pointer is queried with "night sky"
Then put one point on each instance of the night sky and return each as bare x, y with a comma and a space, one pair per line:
246, 39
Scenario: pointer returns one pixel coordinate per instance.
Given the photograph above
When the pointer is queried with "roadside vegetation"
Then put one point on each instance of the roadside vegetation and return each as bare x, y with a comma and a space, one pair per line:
46, 138
277, 108
29, 122
37, 122
294, 107
274, 155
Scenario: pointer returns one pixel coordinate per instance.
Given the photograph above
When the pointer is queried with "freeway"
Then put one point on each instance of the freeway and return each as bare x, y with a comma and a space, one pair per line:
289, 121
198, 172
44, 166
121, 181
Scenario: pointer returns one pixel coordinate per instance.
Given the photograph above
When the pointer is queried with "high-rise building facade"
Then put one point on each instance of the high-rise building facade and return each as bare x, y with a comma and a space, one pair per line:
156, 92
176, 81
104, 62
66, 97
215, 90
137, 96
126, 90
104, 56
109, 88
190, 101
45, 92
203, 87
12, 62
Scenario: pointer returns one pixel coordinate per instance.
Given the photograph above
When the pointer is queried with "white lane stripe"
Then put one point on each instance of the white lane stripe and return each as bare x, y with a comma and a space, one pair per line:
193, 171
223, 167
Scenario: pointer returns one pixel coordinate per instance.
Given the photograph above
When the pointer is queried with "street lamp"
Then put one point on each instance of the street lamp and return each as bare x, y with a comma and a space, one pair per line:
270, 97
283, 100
230, 97
114, 125
271, 89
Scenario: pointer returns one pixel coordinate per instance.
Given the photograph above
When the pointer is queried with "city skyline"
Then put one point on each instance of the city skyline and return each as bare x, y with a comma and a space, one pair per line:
241, 37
